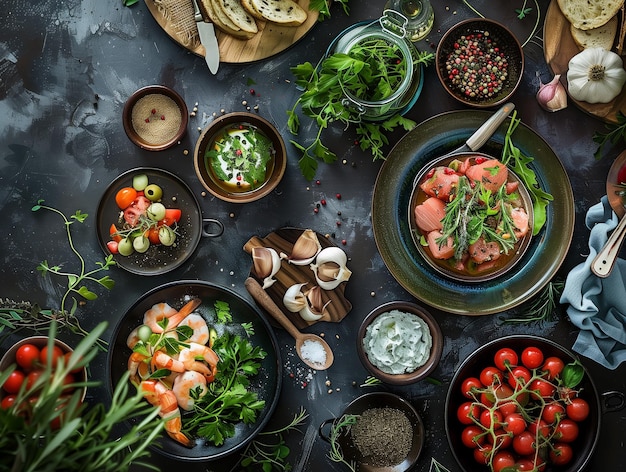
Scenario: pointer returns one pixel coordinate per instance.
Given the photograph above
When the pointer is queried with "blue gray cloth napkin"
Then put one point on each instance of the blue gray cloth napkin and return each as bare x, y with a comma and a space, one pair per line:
597, 305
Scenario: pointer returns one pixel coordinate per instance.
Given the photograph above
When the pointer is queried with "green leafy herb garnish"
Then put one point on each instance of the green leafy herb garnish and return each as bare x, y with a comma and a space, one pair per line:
542, 309
323, 6
371, 71
339, 427
519, 163
75, 281
615, 132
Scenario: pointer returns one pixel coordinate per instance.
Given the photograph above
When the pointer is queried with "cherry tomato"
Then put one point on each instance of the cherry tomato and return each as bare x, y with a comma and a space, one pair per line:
27, 356
491, 376
125, 197
514, 424
7, 402
472, 436
539, 426
68, 380
482, 454
172, 215
524, 443
112, 246
470, 384
502, 439
490, 418
553, 367
153, 235
507, 408
561, 454
505, 358
621, 175
32, 378
577, 409
502, 460
519, 376
531, 463
501, 392
541, 389
553, 412
75, 370
14, 381
56, 353
466, 411
113, 233
566, 431
532, 357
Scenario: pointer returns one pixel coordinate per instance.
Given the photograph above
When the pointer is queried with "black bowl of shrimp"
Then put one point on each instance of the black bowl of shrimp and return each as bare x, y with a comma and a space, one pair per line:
471, 217
178, 344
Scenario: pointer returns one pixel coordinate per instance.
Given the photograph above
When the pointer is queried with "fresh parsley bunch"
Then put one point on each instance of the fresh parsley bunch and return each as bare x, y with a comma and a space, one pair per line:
371, 71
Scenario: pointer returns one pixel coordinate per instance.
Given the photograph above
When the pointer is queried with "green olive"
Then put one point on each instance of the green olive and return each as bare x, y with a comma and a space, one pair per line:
140, 182
167, 236
141, 244
125, 247
156, 211
153, 192
144, 332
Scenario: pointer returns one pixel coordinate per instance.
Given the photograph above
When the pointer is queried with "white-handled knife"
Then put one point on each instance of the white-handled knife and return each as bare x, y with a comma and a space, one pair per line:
206, 31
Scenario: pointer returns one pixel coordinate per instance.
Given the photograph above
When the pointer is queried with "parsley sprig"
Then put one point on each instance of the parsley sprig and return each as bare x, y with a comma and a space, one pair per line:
371, 71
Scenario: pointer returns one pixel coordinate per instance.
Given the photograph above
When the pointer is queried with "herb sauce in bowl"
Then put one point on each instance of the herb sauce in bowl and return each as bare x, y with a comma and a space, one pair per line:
240, 158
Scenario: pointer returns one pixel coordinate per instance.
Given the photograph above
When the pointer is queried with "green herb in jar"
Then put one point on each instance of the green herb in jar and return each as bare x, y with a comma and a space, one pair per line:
240, 158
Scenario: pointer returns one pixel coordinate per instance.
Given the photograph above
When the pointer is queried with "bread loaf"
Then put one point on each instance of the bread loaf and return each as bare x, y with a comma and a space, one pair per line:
602, 37
284, 12
589, 14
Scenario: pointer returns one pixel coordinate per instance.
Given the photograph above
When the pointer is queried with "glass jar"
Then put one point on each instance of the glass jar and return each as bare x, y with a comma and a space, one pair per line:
416, 16
407, 92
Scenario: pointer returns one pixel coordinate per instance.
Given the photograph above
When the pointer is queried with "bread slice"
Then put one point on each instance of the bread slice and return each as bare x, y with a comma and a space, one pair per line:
283, 12
589, 14
601, 37
222, 21
238, 15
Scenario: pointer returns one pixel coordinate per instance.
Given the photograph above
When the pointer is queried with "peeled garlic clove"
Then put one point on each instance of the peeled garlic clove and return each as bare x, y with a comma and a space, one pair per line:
315, 308
304, 250
330, 268
266, 262
294, 300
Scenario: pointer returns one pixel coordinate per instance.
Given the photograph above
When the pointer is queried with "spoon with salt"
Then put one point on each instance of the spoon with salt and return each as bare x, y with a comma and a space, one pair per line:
311, 349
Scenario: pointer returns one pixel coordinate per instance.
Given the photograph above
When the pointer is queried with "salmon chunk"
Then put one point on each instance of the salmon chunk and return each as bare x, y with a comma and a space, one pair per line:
428, 215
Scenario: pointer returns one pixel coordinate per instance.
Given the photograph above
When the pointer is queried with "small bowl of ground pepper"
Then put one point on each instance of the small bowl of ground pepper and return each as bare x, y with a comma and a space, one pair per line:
480, 62
155, 117
380, 431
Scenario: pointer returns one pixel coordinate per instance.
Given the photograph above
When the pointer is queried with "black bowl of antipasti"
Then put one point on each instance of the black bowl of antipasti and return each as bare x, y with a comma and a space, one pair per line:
378, 431
186, 345
471, 217
522, 401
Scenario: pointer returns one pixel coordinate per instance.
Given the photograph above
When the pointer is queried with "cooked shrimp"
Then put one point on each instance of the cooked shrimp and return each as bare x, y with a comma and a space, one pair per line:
162, 310
184, 384
165, 361
200, 328
138, 367
159, 395
190, 356
133, 338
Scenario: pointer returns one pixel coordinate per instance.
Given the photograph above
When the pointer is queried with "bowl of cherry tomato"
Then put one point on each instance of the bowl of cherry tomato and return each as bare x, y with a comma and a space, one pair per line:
522, 403
32, 358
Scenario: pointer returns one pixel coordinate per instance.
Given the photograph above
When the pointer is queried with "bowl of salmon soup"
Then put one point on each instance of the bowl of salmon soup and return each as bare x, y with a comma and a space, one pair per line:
470, 216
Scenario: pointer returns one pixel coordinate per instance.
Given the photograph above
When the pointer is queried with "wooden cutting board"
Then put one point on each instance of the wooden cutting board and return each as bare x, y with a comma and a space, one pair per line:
270, 40
282, 240
559, 47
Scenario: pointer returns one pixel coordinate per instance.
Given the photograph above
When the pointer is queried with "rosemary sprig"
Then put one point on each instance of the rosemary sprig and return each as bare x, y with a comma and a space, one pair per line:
371, 381
75, 281
25, 315
339, 427
543, 308
268, 451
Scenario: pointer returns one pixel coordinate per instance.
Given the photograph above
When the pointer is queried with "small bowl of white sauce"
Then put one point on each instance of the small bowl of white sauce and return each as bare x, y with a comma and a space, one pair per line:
399, 343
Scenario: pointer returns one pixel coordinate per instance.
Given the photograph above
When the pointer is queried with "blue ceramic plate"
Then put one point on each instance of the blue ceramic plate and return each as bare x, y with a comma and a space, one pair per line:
392, 232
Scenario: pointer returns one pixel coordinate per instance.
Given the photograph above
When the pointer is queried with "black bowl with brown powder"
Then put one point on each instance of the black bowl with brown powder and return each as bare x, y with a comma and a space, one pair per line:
155, 117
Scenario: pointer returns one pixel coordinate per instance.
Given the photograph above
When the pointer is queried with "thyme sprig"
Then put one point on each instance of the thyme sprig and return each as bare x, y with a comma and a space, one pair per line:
339, 427
75, 281
269, 449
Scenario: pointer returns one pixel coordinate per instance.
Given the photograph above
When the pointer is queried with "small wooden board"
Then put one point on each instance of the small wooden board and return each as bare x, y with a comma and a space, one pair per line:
559, 47
270, 40
282, 240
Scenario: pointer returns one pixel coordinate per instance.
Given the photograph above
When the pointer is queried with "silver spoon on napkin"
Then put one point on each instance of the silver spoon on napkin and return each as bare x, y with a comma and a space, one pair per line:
603, 263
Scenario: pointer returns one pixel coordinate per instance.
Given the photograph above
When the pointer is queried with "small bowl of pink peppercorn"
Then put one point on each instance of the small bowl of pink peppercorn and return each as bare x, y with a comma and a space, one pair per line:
480, 63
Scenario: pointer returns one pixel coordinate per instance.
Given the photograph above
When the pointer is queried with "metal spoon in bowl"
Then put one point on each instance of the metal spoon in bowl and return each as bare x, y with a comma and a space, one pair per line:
266, 302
